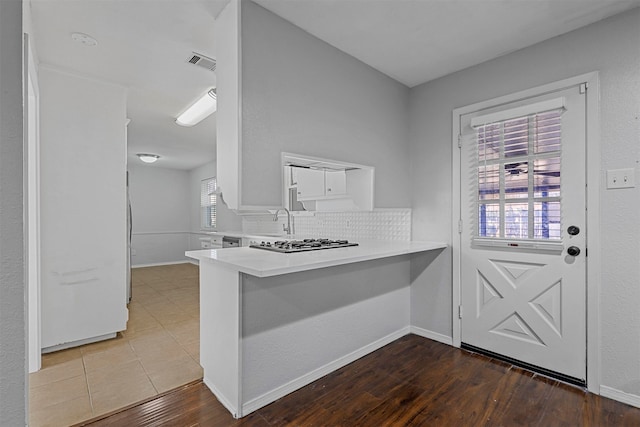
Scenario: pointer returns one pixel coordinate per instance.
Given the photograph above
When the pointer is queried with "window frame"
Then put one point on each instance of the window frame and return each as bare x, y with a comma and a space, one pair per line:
529, 152
208, 204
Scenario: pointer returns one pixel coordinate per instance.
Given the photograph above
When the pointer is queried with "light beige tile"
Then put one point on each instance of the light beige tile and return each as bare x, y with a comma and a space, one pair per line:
140, 317
187, 303
185, 332
135, 307
123, 393
168, 319
62, 414
161, 352
159, 308
142, 292
141, 325
60, 371
193, 349
152, 337
168, 313
166, 375
116, 376
55, 358
195, 313
57, 392
103, 345
174, 294
162, 285
152, 299
141, 331
156, 346
111, 357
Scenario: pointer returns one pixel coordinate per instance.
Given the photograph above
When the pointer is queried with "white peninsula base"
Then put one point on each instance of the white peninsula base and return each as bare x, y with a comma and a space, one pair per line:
271, 332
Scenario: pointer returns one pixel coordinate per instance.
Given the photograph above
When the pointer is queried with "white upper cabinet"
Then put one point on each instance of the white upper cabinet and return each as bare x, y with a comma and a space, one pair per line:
335, 183
323, 184
314, 184
309, 182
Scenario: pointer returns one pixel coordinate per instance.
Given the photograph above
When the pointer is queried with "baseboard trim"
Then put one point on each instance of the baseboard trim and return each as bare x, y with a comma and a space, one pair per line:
620, 396
158, 264
431, 335
320, 372
221, 397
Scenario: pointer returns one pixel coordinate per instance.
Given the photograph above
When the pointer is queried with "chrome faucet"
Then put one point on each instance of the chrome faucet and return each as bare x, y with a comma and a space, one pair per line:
286, 229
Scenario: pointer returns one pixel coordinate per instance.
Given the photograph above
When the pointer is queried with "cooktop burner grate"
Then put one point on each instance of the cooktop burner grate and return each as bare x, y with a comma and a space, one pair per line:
290, 246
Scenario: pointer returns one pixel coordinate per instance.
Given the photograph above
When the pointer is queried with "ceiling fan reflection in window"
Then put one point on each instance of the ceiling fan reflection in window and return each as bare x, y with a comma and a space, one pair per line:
517, 169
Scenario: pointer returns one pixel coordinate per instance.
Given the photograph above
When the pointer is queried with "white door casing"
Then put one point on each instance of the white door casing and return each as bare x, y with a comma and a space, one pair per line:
32, 201
522, 295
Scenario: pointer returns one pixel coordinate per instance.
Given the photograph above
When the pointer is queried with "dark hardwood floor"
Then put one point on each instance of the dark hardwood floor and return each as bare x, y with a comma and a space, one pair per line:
410, 382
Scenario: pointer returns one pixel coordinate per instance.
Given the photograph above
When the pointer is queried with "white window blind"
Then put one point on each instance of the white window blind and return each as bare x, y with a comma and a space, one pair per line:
208, 200
518, 173
522, 111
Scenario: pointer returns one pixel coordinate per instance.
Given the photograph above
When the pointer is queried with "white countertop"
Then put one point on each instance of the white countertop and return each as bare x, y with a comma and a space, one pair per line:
263, 263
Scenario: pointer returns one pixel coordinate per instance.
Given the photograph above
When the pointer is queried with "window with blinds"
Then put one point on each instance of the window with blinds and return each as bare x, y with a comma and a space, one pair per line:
208, 200
518, 175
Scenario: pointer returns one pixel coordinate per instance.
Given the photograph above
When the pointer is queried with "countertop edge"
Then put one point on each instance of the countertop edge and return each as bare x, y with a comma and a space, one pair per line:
243, 267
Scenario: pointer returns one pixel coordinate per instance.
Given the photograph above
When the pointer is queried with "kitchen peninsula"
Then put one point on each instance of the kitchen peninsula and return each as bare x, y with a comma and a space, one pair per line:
271, 323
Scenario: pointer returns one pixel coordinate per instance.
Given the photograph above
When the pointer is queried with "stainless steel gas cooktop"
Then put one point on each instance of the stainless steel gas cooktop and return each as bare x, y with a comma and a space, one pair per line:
290, 246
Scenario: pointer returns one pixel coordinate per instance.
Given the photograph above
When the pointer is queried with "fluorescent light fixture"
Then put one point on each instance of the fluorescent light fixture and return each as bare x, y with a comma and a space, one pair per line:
148, 158
199, 110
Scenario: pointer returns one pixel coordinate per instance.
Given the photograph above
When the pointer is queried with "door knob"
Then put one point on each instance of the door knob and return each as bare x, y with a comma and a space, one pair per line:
573, 250
573, 230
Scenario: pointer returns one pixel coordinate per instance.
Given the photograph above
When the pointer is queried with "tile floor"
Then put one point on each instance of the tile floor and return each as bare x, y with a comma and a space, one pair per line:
158, 351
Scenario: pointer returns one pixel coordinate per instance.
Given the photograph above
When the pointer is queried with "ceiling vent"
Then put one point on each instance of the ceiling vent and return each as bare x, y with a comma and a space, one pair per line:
202, 61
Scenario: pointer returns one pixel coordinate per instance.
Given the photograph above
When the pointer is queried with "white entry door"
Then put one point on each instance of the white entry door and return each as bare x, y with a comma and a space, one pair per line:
523, 229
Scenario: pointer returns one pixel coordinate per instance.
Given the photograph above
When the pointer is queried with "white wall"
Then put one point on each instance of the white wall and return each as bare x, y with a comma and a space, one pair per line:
160, 204
304, 96
611, 47
13, 366
83, 207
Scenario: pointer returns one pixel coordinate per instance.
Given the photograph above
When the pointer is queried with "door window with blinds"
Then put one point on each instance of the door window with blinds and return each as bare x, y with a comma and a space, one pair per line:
208, 200
518, 172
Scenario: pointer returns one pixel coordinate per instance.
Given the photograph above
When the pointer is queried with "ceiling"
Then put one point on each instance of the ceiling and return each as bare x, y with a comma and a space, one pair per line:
415, 41
144, 45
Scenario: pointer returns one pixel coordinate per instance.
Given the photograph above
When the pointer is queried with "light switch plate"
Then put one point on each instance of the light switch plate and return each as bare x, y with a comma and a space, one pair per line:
621, 178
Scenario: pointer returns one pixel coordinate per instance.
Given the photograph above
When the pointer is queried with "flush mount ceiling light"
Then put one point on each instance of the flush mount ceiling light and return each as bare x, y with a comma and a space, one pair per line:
148, 158
84, 39
199, 110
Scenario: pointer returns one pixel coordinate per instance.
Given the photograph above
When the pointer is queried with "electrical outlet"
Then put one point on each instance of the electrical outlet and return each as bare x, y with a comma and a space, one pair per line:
621, 178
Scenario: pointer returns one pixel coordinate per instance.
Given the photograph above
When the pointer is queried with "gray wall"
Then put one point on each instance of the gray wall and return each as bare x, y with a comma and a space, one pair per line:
304, 96
160, 206
13, 366
166, 212
611, 47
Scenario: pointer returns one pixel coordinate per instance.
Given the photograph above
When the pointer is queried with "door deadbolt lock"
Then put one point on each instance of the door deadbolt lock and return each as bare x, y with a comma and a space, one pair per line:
573, 250
573, 230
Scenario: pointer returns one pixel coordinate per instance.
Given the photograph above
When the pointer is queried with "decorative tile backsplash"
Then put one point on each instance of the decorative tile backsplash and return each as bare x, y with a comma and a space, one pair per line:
379, 224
